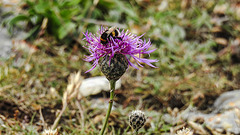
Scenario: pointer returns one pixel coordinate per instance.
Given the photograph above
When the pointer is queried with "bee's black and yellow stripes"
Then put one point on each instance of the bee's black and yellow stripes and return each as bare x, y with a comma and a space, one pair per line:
112, 32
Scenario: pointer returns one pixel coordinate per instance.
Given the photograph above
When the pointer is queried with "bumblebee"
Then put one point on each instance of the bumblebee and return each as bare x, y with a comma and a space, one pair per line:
112, 32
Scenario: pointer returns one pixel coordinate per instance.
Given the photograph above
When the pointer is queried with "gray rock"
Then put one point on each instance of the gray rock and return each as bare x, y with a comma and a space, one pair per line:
6, 44
227, 100
5, 39
224, 118
228, 121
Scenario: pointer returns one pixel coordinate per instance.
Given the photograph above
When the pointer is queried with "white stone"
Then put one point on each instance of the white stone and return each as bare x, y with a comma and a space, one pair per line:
94, 85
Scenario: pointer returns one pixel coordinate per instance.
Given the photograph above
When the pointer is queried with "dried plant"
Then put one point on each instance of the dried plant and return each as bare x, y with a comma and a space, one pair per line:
74, 83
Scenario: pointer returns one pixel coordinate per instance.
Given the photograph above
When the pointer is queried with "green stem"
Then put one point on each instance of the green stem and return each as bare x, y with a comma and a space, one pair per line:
112, 85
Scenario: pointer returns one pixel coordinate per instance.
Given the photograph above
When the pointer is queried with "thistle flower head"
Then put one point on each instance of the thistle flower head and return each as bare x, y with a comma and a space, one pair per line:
127, 44
137, 119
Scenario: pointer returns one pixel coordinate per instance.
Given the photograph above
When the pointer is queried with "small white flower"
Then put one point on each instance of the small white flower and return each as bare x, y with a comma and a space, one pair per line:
184, 131
50, 132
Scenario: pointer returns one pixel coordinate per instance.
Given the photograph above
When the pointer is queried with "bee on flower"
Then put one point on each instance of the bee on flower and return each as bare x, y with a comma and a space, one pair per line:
112, 49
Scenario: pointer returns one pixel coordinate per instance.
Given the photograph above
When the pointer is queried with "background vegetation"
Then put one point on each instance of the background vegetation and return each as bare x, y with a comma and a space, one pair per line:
197, 47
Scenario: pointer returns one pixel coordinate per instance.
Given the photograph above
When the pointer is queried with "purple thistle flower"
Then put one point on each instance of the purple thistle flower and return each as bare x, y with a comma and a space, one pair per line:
128, 44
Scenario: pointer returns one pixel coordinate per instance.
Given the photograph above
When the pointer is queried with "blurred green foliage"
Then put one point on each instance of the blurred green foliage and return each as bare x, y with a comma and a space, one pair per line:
59, 15
64, 17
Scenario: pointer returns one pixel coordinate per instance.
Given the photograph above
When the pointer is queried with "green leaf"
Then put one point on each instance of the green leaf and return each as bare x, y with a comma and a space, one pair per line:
42, 7
36, 19
54, 23
17, 19
65, 29
32, 31
69, 13
73, 2
124, 7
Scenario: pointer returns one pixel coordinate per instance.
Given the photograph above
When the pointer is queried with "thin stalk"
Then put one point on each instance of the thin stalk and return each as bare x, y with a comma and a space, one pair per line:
59, 116
112, 85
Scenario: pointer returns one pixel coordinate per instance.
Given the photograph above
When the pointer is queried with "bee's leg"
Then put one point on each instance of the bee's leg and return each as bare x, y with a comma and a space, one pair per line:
109, 38
118, 38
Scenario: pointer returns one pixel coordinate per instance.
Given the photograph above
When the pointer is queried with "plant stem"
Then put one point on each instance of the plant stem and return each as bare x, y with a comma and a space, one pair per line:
112, 85
59, 116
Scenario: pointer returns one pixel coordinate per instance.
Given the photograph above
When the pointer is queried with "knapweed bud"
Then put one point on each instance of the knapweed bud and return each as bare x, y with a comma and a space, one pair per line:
184, 131
137, 119
114, 69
